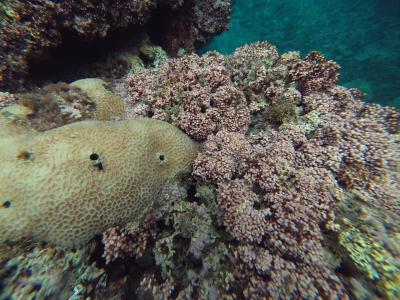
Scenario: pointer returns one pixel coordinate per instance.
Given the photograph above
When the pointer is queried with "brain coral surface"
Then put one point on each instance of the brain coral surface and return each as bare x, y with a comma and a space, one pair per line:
67, 184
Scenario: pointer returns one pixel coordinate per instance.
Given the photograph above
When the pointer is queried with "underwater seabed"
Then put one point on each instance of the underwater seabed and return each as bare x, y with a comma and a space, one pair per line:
362, 36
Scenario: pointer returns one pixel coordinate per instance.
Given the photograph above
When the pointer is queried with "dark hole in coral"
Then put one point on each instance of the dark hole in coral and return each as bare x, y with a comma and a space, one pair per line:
212, 103
94, 156
191, 193
347, 269
24, 155
297, 147
203, 108
96, 161
260, 204
150, 114
257, 190
257, 205
161, 157
291, 257
78, 57
96, 255
6, 204
27, 273
163, 21
196, 263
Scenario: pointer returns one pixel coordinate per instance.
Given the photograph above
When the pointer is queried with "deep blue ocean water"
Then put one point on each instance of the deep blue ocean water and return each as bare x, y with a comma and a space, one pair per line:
363, 36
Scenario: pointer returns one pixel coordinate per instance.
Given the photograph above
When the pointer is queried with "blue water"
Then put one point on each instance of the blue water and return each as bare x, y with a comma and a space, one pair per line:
363, 36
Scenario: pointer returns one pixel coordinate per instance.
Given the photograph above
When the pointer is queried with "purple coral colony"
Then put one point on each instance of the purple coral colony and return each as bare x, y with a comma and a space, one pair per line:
295, 190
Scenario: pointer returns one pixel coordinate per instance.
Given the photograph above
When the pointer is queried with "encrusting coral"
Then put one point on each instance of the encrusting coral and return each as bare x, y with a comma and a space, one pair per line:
55, 105
67, 184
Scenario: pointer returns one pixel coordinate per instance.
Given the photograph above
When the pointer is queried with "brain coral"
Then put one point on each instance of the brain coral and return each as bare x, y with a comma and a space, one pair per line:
67, 184
109, 106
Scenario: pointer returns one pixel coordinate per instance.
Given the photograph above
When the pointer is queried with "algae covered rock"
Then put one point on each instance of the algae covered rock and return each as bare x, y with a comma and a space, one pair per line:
67, 184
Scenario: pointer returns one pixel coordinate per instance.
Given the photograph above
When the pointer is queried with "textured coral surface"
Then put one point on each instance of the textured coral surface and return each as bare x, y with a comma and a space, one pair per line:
67, 184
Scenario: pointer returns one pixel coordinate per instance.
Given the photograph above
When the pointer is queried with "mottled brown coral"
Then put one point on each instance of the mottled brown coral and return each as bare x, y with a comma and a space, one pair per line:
55, 105
288, 278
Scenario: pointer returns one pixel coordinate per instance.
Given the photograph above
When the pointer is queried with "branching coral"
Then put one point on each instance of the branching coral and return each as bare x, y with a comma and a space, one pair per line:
195, 93
120, 242
279, 178
312, 74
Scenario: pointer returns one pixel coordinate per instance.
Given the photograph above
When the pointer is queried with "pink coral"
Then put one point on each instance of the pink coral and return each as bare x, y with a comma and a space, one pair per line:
356, 145
269, 195
7, 99
278, 185
222, 156
194, 92
276, 205
312, 74
288, 278
121, 242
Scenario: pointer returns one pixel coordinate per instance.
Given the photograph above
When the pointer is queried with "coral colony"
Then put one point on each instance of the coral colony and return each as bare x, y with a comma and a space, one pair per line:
247, 176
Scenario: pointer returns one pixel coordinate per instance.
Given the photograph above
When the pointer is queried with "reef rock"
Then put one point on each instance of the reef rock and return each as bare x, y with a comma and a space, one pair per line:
67, 184
30, 30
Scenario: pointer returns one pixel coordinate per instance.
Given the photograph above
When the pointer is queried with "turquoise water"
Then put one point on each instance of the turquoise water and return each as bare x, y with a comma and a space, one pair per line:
363, 36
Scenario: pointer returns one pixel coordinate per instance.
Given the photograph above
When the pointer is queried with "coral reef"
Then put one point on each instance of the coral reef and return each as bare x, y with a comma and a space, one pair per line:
88, 176
153, 54
6, 99
281, 155
28, 30
193, 25
294, 190
55, 105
